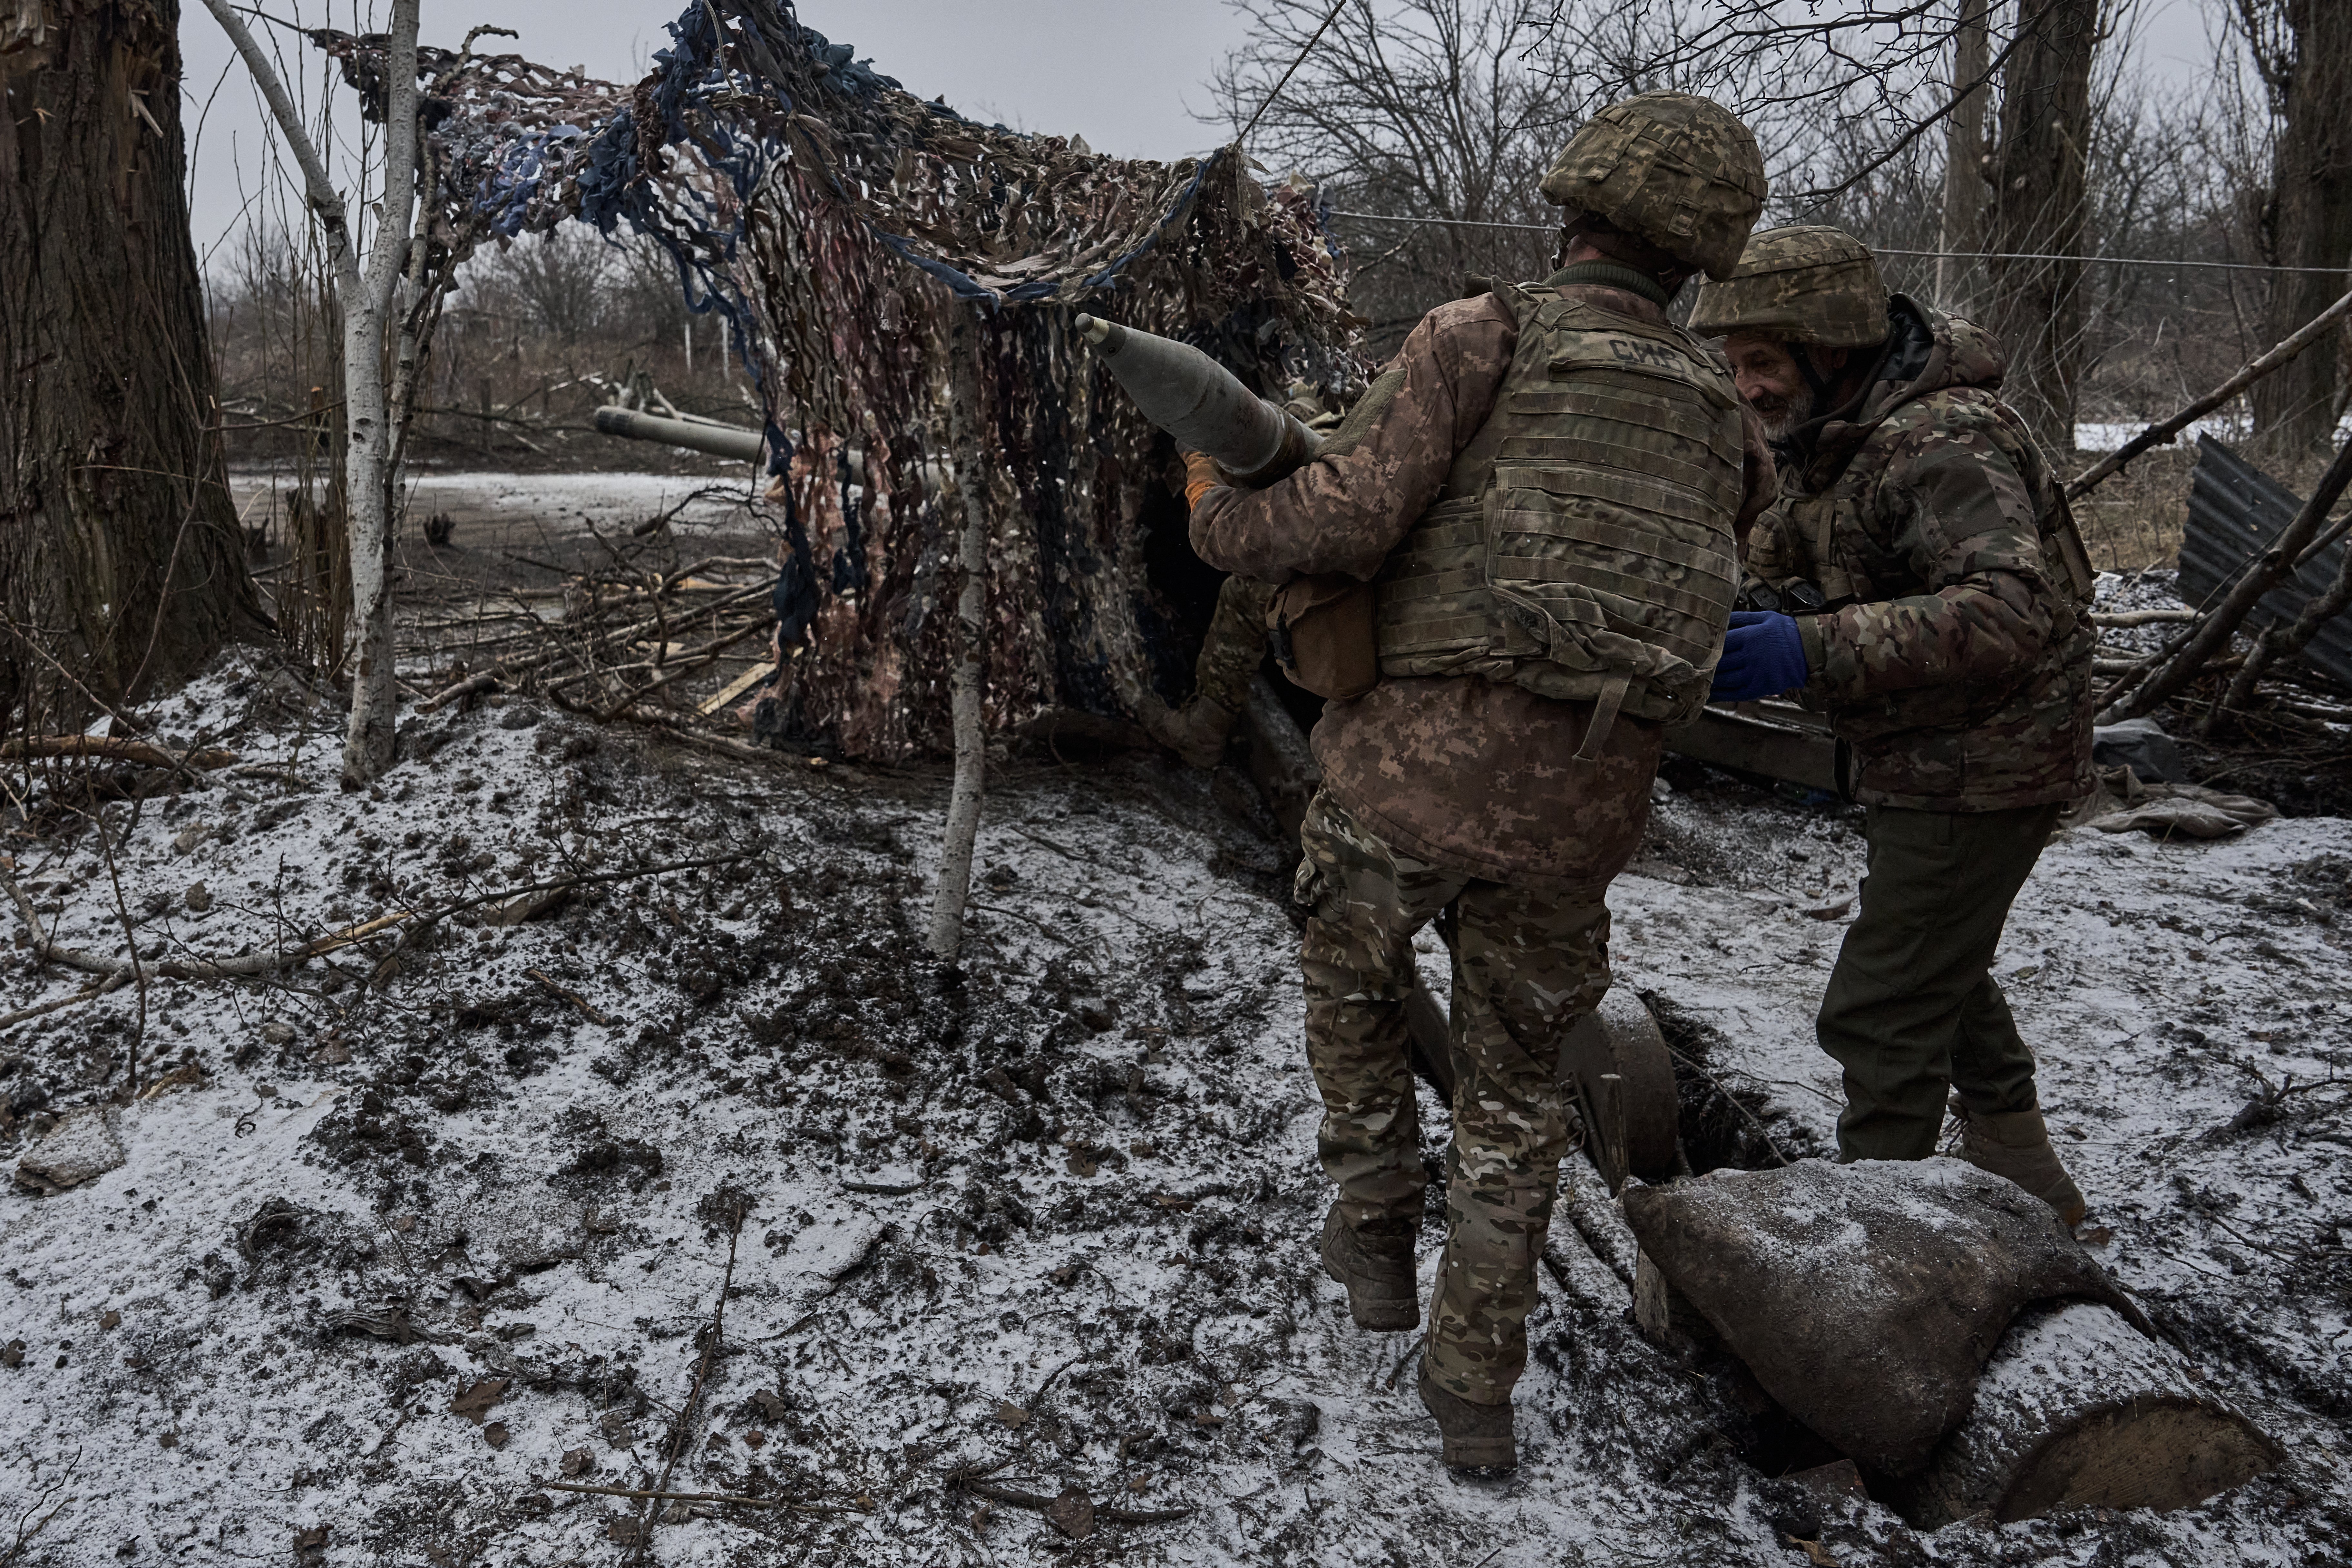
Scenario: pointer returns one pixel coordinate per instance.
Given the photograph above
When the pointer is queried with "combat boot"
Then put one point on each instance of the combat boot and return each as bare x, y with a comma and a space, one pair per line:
1477, 1437
1375, 1262
1196, 731
2016, 1145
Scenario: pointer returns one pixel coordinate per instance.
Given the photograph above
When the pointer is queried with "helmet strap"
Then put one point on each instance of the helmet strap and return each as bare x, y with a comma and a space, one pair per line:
1804, 354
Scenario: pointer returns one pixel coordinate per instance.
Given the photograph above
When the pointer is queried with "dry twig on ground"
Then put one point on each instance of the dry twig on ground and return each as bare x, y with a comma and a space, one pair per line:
737, 1206
252, 964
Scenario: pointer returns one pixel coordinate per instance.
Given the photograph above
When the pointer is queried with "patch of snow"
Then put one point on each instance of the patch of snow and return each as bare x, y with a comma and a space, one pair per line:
1048, 1218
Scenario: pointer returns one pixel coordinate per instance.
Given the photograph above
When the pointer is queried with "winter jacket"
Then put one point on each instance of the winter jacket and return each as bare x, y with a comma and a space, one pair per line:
1954, 652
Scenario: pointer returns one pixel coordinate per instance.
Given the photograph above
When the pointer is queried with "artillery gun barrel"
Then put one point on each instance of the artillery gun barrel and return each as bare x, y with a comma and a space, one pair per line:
736, 441
1202, 403
718, 440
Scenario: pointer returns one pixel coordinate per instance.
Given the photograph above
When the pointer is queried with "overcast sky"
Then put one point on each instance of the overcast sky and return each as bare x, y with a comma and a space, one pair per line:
1126, 74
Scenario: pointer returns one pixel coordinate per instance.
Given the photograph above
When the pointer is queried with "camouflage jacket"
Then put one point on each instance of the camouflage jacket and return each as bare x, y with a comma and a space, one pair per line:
1953, 656
1467, 774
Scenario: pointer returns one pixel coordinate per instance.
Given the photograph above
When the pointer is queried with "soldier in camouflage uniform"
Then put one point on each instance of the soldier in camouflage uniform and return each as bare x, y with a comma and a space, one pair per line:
1545, 486
1922, 579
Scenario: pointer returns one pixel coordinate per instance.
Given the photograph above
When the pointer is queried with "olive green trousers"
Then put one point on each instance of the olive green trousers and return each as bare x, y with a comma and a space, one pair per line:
1912, 1011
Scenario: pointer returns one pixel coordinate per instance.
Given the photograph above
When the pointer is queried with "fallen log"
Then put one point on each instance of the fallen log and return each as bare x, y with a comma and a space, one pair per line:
1864, 1297
112, 748
2078, 1410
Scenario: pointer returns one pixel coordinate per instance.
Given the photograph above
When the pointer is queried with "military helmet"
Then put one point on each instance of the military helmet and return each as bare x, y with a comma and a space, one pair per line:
1671, 168
1808, 284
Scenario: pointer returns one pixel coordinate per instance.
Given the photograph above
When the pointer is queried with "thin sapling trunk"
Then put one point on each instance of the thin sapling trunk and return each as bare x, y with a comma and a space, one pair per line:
971, 603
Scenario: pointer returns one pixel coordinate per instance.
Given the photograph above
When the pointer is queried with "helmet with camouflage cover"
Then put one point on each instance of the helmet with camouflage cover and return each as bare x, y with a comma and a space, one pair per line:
1806, 284
1671, 168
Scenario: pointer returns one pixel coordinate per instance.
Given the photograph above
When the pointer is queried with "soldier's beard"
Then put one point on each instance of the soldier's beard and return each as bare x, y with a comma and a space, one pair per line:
1781, 415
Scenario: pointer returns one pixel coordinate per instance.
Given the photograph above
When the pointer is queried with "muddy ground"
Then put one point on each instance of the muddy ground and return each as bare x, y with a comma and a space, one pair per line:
412, 1238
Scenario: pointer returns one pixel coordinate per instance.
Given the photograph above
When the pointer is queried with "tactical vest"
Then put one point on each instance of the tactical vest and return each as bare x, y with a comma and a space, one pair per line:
1583, 547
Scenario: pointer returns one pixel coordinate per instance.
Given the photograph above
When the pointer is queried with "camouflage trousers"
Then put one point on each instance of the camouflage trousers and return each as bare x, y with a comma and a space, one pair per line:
1234, 644
1527, 964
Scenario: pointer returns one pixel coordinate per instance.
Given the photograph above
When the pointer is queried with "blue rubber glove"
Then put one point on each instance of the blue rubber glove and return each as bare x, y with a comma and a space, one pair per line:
1762, 656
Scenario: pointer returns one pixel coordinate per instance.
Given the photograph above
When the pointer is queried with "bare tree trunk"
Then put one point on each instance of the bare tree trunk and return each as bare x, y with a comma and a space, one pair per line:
2309, 219
120, 558
972, 605
366, 301
2038, 210
1964, 178
375, 474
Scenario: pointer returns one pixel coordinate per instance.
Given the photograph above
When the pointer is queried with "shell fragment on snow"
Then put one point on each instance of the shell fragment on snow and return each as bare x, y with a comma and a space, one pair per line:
1865, 1297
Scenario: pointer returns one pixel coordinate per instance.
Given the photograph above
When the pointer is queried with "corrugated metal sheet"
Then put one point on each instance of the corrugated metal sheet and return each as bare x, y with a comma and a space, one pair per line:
2234, 512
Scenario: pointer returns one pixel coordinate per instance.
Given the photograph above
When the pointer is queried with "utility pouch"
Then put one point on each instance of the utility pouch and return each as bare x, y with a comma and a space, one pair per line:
1323, 636
1795, 598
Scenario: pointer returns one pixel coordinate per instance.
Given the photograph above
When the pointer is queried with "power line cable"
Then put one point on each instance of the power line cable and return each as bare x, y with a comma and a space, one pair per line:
2114, 260
1889, 250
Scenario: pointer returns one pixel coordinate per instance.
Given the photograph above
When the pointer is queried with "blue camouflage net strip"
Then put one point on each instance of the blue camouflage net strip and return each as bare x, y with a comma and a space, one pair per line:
849, 231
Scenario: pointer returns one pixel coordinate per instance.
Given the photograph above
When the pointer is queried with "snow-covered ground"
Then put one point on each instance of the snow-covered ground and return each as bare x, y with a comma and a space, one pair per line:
412, 1243
2107, 436
493, 509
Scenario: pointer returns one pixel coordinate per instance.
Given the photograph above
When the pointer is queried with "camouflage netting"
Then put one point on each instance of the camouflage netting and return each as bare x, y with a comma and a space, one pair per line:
847, 228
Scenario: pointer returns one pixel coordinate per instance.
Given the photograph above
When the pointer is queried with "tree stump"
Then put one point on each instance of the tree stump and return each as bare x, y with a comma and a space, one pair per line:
2078, 1410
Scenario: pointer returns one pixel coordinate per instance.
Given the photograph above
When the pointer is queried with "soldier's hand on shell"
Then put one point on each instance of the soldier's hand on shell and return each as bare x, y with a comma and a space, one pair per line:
1201, 475
1762, 656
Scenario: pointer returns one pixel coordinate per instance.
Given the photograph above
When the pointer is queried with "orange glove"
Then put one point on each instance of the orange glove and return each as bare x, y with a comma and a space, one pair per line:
1201, 475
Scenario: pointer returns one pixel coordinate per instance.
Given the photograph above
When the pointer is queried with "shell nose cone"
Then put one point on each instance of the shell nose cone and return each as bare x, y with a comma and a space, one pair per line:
1097, 331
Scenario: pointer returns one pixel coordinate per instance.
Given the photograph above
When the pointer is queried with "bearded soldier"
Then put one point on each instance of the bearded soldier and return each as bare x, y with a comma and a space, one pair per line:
1922, 579
1545, 486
